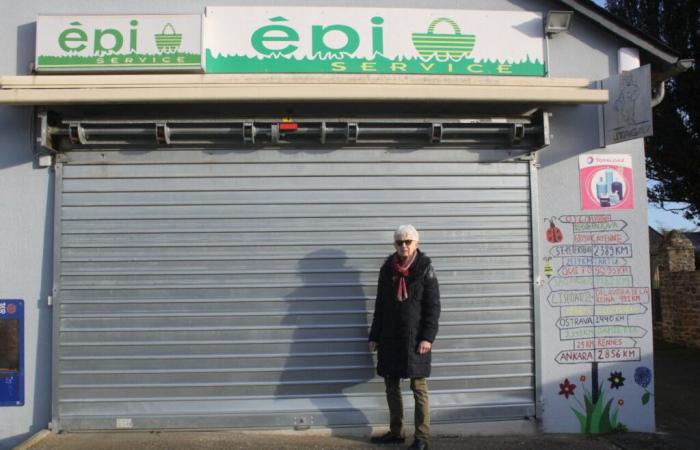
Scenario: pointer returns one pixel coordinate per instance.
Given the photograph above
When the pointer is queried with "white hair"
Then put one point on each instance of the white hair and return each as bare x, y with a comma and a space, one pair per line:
407, 231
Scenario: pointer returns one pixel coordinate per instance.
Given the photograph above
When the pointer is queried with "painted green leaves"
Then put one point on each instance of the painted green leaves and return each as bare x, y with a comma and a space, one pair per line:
601, 414
597, 417
594, 416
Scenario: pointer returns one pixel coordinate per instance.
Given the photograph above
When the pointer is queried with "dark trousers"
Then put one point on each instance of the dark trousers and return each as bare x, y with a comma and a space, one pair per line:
419, 386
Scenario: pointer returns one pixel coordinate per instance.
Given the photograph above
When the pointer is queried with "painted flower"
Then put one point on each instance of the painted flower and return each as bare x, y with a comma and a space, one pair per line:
616, 380
582, 378
566, 388
642, 376
620, 402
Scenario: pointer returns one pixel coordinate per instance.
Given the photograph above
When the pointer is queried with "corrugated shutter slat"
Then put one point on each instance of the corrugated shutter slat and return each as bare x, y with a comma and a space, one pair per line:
237, 292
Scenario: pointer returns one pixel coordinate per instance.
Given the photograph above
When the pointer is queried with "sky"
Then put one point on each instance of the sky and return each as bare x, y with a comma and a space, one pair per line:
658, 218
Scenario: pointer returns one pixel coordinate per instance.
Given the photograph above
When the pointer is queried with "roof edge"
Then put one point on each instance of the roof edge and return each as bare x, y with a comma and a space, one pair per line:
624, 30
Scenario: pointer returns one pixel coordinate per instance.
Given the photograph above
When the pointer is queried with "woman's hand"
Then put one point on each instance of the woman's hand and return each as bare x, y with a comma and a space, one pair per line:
424, 347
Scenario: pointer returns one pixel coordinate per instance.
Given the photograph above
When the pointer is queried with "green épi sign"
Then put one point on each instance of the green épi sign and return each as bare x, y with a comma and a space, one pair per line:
118, 43
358, 40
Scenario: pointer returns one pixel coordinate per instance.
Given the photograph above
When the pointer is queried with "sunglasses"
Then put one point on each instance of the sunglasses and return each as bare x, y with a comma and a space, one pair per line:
399, 243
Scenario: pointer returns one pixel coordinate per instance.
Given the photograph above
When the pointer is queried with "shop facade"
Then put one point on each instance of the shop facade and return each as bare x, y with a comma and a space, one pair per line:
204, 211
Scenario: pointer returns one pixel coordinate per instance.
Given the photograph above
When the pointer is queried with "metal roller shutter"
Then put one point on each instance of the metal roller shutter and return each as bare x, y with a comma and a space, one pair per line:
216, 288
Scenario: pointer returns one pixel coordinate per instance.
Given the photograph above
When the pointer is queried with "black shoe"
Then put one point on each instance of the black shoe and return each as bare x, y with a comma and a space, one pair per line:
419, 444
388, 438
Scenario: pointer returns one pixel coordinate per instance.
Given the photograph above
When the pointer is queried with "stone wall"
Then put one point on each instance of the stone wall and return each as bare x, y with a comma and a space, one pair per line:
680, 308
679, 298
677, 253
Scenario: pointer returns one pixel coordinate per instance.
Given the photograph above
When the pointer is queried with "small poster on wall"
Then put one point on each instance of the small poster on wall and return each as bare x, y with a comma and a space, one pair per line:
606, 182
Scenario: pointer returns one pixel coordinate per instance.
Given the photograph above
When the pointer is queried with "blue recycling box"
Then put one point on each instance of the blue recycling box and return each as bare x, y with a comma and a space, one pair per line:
11, 352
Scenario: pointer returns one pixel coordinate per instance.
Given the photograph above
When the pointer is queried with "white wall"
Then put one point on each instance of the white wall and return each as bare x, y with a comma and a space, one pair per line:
585, 54
25, 271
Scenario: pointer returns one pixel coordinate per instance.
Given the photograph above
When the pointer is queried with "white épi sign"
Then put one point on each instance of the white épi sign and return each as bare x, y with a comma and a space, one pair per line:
119, 43
373, 40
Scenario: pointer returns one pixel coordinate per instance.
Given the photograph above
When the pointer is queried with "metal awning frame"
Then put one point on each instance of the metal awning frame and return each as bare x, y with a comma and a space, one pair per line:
105, 89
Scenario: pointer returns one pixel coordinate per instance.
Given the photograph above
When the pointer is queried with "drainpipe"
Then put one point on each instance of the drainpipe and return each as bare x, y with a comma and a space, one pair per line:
659, 90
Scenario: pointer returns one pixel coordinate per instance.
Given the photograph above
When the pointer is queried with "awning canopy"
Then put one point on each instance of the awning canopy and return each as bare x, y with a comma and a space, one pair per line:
210, 88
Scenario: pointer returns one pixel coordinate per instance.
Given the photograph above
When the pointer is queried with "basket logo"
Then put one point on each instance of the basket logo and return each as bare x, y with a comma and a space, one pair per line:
168, 41
443, 45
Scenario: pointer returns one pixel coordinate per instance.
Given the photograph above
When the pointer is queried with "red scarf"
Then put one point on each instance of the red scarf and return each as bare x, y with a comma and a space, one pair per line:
403, 273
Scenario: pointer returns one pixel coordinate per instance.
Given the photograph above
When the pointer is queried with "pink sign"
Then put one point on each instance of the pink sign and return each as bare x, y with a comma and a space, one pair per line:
606, 182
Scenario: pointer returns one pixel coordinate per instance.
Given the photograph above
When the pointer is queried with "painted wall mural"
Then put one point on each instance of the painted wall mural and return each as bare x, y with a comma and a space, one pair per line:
598, 411
592, 286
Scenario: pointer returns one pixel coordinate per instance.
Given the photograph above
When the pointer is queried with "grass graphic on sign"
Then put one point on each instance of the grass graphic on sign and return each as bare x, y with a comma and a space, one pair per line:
377, 64
124, 61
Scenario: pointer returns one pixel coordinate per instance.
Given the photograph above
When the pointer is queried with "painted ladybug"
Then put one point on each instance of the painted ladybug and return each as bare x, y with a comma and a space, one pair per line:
554, 234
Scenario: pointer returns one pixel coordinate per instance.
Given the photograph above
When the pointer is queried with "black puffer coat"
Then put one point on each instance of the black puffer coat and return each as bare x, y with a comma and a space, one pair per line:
398, 327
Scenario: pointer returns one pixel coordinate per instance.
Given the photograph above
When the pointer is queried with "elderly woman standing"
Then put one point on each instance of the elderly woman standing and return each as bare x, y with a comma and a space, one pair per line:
405, 324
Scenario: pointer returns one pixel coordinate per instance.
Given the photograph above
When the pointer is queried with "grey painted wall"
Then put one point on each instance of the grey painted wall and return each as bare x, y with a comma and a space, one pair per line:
26, 194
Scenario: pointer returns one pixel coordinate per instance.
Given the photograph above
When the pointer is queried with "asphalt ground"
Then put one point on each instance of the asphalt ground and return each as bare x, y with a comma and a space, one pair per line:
677, 416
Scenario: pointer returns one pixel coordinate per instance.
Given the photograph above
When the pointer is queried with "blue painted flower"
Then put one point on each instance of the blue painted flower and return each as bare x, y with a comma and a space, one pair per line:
642, 376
